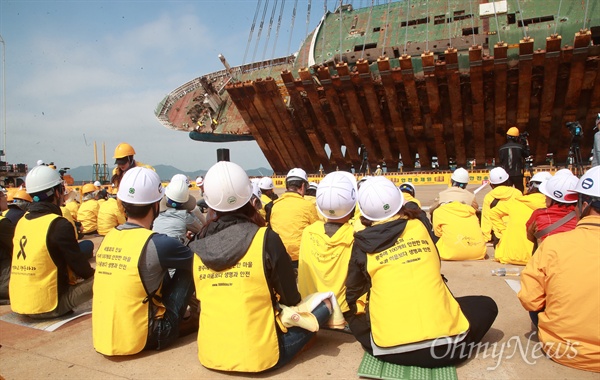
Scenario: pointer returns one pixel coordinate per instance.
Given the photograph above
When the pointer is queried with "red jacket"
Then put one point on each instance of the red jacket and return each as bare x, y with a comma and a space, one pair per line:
544, 217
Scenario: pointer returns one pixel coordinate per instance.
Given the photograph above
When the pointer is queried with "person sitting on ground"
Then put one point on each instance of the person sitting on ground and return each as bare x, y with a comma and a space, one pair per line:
292, 213
236, 249
457, 192
19, 206
124, 160
326, 245
502, 191
110, 214
45, 250
460, 235
409, 192
268, 190
87, 214
71, 202
560, 288
149, 314
412, 318
559, 214
7, 232
508, 220
178, 221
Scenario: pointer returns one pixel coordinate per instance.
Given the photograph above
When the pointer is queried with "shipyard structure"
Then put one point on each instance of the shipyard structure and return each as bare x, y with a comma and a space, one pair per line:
411, 83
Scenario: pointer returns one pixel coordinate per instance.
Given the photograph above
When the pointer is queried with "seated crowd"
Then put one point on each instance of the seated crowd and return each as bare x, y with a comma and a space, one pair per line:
343, 255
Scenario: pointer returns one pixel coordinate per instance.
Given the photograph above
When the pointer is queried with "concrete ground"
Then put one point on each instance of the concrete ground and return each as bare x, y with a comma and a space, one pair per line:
26, 353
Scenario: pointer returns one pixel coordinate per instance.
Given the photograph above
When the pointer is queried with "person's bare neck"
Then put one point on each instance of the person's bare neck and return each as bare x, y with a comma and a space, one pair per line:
145, 221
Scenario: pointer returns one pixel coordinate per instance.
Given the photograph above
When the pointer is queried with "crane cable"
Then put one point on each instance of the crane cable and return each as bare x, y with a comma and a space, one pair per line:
251, 31
386, 29
269, 30
406, 26
262, 23
362, 54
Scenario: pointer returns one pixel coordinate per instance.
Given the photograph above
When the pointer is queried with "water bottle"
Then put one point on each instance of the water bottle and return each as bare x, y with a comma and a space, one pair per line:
506, 272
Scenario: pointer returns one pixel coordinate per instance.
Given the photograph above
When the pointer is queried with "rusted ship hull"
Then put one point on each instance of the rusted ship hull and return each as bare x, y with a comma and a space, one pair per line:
451, 97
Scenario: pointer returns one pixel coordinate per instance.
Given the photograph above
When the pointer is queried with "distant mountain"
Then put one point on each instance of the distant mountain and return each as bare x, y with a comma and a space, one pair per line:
86, 173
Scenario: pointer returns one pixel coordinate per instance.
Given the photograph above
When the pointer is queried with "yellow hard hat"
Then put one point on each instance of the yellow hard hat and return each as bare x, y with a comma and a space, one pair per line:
123, 150
88, 188
22, 194
10, 192
513, 131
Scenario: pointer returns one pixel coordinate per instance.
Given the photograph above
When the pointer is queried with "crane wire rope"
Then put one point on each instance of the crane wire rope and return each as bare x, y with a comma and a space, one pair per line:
406, 25
362, 54
251, 31
273, 10
262, 23
386, 28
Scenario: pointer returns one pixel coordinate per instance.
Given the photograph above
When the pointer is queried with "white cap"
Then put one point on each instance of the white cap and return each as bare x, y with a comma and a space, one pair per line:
177, 190
589, 184
199, 181
41, 178
460, 175
266, 183
140, 186
541, 177
40, 162
256, 190
297, 173
227, 187
379, 198
182, 177
563, 171
336, 195
498, 175
558, 186
97, 184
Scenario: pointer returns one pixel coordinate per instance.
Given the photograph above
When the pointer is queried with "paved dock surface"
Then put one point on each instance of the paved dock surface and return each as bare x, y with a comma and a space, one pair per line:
511, 352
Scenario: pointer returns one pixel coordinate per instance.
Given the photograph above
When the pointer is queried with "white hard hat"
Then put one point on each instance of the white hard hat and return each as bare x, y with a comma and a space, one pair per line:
407, 187
41, 178
256, 189
336, 195
199, 181
379, 198
378, 166
177, 190
541, 177
557, 187
313, 185
227, 187
140, 186
498, 175
182, 177
266, 183
460, 175
563, 171
40, 162
589, 184
297, 173
97, 184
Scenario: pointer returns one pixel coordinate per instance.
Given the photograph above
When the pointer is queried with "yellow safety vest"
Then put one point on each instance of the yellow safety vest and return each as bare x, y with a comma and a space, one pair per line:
120, 308
323, 261
237, 320
409, 301
33, 286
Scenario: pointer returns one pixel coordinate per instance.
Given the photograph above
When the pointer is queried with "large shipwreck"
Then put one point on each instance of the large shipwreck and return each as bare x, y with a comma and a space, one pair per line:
412, 83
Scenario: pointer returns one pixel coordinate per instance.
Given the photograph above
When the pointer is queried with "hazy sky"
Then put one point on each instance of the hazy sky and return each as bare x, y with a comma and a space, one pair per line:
83, 71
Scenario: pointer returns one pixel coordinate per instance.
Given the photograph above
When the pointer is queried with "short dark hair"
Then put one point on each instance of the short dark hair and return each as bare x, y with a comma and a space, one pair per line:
294, 184
137, 211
